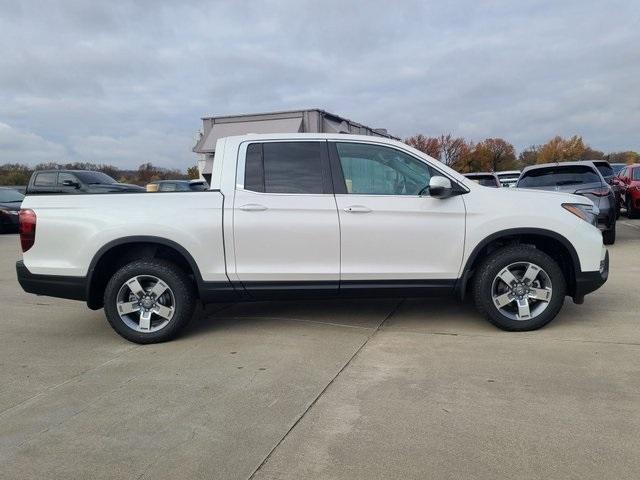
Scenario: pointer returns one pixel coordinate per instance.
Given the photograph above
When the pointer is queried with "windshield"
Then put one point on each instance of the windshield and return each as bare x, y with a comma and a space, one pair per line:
605, 169
95, 178
559, 176
10, 196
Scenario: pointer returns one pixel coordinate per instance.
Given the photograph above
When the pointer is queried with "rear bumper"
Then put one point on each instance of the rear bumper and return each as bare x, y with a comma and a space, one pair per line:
587, 282
73, 288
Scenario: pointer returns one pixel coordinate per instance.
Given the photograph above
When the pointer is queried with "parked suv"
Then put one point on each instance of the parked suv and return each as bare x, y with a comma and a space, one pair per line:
486, 179
609, 175
508, 178
580, 178
629, 181
76, 181
313, 216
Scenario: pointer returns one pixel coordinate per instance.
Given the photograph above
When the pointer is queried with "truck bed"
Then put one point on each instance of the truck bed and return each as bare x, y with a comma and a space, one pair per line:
72, 228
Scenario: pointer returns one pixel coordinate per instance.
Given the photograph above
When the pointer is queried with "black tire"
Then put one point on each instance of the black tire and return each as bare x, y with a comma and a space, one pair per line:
494, 264
178, 282
609, 236
631, 213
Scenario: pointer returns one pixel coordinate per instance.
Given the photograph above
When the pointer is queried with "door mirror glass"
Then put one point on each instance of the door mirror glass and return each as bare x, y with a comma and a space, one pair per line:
440, 187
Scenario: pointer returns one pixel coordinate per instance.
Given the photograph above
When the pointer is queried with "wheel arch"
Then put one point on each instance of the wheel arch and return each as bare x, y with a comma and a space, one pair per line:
552, 243
113, 255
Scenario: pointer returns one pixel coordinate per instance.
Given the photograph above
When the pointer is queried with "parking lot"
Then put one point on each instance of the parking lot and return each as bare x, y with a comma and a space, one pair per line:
388, 388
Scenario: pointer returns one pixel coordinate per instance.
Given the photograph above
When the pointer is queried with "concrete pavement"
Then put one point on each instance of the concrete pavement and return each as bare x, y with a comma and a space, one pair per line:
351, 389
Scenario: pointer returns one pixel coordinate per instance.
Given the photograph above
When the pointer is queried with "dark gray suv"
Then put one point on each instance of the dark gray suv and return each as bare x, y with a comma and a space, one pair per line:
580, 178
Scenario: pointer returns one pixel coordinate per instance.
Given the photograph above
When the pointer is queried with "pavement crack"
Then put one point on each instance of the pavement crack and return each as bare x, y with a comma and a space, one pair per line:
322, 392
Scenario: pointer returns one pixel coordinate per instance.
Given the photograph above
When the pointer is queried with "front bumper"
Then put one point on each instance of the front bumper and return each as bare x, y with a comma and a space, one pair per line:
587, 282
73, 288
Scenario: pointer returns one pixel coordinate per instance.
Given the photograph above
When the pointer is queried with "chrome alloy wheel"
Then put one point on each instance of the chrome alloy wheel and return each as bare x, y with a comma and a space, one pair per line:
145, 303
521, 291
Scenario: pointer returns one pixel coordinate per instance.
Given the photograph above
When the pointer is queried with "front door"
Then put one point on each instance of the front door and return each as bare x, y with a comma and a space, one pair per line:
285, 222
392, 231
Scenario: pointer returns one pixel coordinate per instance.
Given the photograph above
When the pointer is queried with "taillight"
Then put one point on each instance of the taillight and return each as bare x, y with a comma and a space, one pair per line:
598, 192
27, 228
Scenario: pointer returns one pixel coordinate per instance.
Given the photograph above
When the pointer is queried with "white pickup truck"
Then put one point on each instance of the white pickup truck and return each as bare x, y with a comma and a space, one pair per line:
312, 215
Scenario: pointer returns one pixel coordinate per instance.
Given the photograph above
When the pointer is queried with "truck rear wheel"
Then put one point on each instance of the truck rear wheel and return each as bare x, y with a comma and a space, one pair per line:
149, 301
519, 288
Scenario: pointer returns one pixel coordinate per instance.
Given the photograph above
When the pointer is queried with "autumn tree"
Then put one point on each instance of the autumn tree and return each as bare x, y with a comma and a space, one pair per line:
452, 150
529, 156
627, 157
560, 149
591, 154
193, 173
14, 174
428, 145
494, 155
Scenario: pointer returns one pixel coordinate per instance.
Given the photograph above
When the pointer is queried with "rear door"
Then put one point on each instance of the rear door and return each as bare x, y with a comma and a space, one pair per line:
285, 222
392, 232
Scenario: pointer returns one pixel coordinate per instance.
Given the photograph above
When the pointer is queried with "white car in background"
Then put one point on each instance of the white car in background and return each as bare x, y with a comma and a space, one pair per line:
508, 178
308, 216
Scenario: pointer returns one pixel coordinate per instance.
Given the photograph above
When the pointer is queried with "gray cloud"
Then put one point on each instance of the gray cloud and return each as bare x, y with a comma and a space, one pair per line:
127, 82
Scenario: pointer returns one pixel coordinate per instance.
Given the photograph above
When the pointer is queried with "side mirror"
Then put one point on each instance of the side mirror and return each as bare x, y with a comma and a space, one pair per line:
70, 183
440, 187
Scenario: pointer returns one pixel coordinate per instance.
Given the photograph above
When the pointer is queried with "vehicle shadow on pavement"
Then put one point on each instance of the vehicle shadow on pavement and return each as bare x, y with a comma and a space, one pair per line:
417, 315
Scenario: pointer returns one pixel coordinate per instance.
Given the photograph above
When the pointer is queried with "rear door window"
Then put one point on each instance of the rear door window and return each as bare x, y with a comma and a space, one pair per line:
636, 173
46, 179
559, 176
286, 167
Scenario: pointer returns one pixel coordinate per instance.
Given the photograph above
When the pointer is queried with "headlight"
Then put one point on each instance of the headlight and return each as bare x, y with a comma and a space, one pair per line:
588, 213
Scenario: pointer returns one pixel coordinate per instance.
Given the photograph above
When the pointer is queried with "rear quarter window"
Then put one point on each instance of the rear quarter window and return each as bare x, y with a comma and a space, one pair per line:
559, 176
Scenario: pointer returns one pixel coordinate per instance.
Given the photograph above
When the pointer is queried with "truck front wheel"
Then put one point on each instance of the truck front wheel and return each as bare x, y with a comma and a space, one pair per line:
519, 288
149, 301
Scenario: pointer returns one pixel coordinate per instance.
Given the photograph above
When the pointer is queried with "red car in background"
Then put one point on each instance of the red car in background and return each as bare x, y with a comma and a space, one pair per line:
629, 183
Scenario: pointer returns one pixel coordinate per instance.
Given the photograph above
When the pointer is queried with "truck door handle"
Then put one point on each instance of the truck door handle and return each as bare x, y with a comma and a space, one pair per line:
253, 207
357, 209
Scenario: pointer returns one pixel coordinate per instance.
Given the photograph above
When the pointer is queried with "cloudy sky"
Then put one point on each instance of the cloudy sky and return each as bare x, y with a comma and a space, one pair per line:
126, 82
